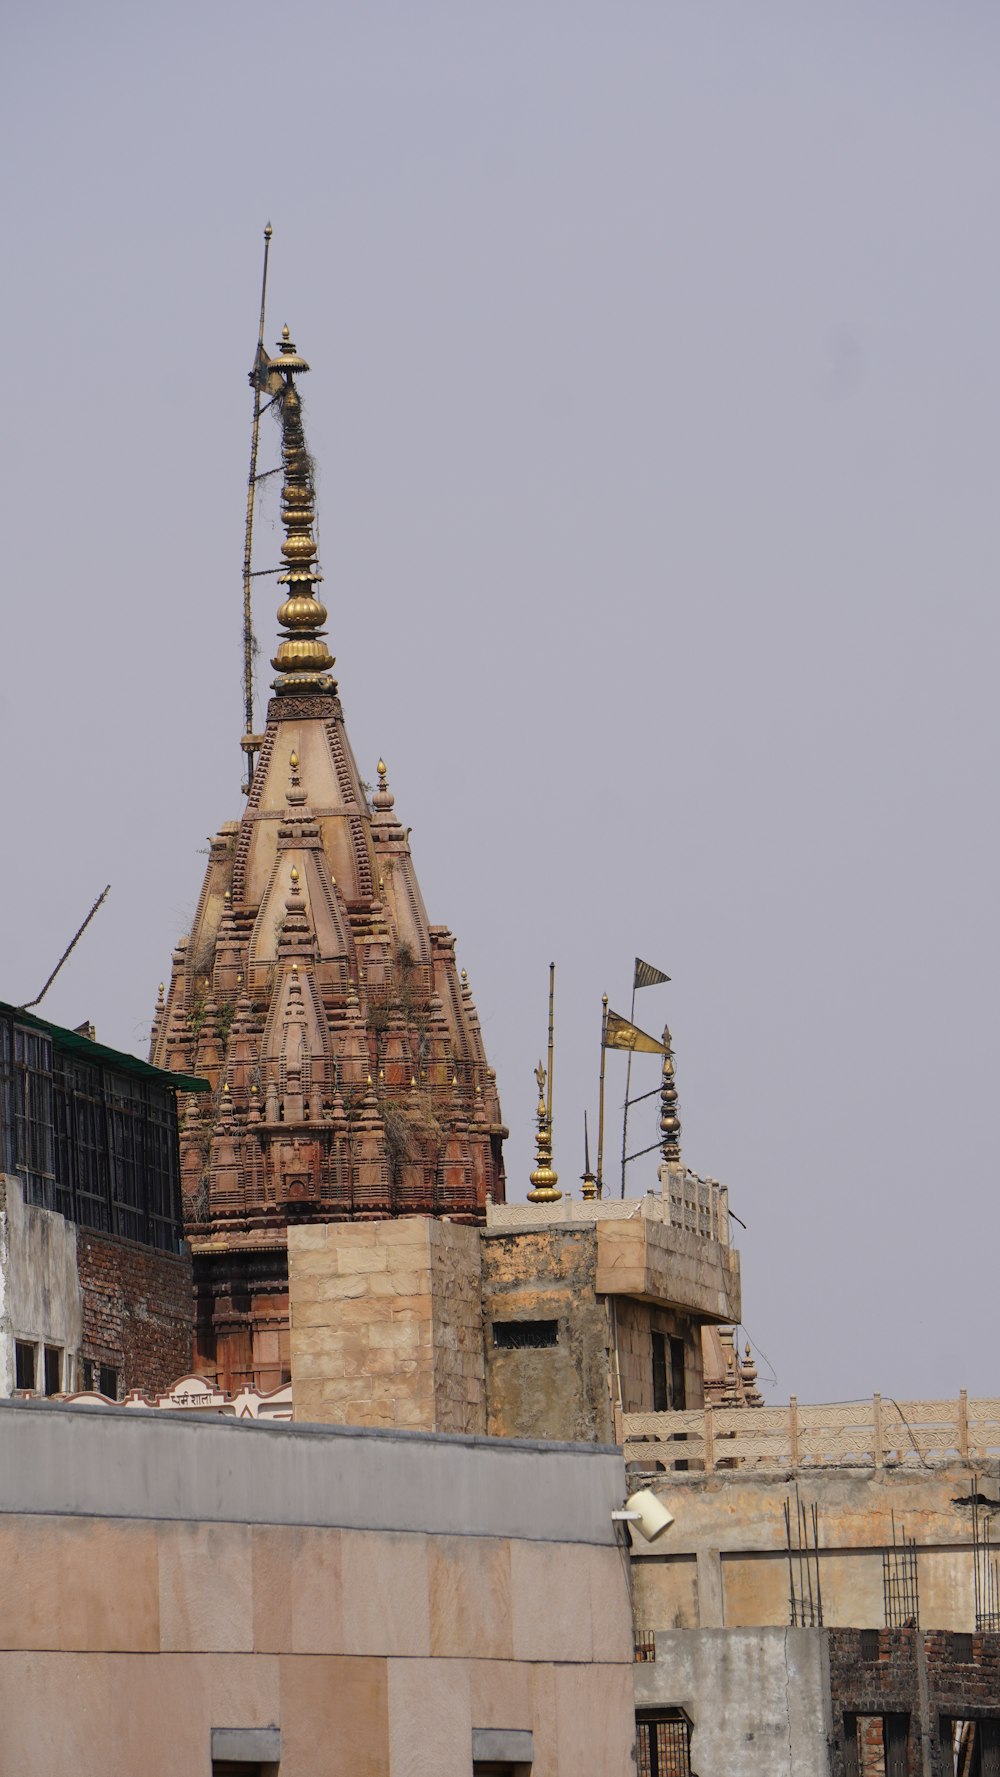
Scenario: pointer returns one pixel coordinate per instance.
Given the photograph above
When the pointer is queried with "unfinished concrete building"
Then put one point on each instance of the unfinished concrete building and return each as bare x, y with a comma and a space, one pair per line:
827, 1597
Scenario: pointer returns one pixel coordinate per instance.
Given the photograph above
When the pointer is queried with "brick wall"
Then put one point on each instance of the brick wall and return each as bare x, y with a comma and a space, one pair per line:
138, 1311
878, 1672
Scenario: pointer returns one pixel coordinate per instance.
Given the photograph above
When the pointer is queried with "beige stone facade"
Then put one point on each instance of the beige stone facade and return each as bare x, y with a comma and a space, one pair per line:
386, 1324
372, 1602
550, 1323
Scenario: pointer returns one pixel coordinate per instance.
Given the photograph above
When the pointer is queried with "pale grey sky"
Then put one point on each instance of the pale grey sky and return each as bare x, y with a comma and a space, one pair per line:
655, 400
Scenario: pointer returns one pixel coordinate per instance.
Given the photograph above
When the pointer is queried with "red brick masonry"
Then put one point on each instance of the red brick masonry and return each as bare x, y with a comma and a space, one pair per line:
138, 1313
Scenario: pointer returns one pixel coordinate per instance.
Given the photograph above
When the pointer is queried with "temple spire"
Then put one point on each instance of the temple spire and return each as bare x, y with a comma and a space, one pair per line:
303, 659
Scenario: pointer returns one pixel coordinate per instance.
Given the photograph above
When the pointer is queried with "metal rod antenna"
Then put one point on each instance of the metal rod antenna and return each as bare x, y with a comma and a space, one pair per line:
70, 946
628, 1081
248, 539
600, 1113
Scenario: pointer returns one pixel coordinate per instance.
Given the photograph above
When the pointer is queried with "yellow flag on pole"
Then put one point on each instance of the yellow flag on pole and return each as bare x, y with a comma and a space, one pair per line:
620, 1034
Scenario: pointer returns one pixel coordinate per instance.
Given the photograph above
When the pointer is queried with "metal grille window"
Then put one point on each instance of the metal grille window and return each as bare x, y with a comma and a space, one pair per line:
33, 1144
6, 1098
663, 1744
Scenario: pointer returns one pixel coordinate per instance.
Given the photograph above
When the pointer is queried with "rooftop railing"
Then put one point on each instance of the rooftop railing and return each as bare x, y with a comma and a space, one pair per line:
878, 1433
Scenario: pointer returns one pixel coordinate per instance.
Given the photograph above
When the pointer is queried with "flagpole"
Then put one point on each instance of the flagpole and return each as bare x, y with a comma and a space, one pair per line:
628, 1079
600, 1115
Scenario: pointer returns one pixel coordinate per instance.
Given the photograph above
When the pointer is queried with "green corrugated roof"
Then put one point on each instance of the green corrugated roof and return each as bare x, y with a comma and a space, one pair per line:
90, 1051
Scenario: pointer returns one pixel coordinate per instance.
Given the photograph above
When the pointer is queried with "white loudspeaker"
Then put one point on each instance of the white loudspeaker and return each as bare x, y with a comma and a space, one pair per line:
653, 1518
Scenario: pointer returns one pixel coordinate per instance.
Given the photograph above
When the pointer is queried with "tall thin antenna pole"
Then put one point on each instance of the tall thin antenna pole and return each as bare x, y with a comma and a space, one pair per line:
628, 1082
552, 995
102, 897
255, 379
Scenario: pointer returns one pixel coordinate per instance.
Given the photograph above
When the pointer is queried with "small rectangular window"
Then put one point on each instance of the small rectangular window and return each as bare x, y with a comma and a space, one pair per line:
869, 1645
108, 1381
53, 1369
524, 1335
24, 1364
87, 1375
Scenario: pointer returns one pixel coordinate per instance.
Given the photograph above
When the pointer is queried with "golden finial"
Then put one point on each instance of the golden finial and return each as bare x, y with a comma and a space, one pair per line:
294, 761
544, 1179
161, 990
382, 769
303, 660
295, 874
670, 1123
295, 968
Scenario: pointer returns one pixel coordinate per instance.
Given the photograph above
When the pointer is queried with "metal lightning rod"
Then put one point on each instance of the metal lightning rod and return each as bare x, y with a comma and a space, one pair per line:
249, 738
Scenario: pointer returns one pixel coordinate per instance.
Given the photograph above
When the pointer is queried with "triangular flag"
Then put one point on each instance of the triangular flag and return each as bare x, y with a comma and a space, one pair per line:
646, 975
620, 1034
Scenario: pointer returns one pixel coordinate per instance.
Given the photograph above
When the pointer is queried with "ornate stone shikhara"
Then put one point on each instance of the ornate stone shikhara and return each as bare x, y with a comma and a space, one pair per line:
343, 1048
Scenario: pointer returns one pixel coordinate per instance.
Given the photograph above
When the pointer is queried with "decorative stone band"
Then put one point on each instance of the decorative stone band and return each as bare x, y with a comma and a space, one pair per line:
194, 1394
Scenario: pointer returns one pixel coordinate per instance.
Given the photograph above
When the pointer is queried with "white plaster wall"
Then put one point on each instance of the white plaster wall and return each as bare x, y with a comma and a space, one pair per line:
40, 1296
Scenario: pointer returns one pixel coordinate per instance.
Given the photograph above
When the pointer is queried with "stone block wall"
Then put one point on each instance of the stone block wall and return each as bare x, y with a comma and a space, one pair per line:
561, 1390
376, 1604
138, 1311
634, 1324
386, 1324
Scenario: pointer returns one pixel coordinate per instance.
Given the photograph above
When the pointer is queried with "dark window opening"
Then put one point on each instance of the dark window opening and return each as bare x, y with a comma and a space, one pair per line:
87, 1375
678, 1389
108, 1381
663, 1744
24, 1364
525, 1335
971, 1748
869, 1644
877, 1745
53, 1369
661, 1398
961, 1649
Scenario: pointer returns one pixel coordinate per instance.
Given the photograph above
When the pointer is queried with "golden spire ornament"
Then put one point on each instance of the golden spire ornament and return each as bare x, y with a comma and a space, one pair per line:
544, 1180
670, 1123
303, 659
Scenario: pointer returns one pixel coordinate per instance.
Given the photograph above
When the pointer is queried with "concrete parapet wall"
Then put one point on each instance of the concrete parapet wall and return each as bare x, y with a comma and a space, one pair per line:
759, 1699
724, 1559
